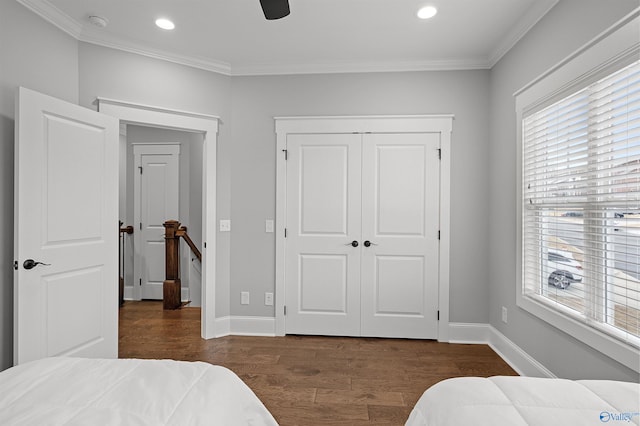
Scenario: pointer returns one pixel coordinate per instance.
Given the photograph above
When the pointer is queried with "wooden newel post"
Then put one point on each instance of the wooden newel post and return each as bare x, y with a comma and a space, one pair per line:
171, 287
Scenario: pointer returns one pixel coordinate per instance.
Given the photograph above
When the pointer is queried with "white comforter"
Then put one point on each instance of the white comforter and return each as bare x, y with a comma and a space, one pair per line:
88, 392
516, 401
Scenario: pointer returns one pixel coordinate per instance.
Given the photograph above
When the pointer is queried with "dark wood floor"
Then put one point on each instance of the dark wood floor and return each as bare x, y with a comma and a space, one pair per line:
311, 380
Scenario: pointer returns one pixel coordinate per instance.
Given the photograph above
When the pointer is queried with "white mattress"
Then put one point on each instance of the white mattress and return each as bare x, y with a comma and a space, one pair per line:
515, 401
73, 391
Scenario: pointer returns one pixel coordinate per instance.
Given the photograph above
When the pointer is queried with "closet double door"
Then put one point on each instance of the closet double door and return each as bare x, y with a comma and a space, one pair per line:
362, 219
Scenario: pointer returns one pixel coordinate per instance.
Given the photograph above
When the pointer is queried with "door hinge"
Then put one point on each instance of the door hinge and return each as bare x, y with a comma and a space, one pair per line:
205, 244
286, 154
140, 167
439, 153
438, 234
15, 265
285, 309
141, 226
438, 315
140, 282
285, 232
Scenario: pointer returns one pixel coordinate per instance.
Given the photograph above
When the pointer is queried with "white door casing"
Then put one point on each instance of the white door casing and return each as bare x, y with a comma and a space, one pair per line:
156, 200
323, 207
66, 216
207, 125
397, 227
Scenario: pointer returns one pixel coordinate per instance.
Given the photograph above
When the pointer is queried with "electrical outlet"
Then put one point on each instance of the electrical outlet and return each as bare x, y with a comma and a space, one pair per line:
244, 298
268, 299
504, 314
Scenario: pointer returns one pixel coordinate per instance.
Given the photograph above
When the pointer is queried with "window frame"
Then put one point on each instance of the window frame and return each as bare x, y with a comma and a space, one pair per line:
610, 51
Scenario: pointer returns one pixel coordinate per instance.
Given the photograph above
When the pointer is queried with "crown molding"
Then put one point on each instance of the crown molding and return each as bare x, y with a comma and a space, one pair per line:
358, 67
192, 61
539, 9
54, 16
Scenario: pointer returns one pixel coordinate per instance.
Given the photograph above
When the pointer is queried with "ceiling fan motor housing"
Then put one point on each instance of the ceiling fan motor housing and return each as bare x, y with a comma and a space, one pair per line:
275, 9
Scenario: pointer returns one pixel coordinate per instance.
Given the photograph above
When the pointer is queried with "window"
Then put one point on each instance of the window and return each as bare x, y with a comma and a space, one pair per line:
581, 205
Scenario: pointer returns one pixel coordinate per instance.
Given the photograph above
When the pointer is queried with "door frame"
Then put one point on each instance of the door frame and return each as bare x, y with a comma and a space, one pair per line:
207, 125
151, 148
436, 123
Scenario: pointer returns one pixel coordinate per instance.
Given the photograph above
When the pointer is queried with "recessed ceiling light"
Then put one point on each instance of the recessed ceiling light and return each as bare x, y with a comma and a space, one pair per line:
165, 24
427, 12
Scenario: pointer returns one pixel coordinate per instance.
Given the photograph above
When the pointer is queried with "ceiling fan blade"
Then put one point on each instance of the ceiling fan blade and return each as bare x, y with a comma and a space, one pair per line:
275, 9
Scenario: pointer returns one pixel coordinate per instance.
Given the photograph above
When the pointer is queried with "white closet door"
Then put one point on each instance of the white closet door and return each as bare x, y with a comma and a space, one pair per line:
323, 217
400, 217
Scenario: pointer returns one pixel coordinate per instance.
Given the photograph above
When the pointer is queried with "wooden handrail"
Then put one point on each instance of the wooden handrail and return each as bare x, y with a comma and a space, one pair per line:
182, 232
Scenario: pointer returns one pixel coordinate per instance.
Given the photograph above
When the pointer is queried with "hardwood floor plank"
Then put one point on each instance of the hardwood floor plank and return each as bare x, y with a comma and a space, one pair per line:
310, 380
359, 397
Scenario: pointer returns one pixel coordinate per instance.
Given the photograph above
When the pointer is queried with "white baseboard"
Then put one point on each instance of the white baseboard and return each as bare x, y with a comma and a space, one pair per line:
245, 326
523, 363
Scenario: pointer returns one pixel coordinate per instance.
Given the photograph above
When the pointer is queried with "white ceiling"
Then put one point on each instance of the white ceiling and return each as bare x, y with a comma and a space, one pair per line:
233, 37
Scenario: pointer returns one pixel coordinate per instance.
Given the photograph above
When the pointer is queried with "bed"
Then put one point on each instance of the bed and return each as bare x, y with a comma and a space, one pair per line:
77, 391
515, 401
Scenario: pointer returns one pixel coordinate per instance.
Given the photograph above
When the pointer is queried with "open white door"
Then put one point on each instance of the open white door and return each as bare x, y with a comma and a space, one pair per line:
66, 216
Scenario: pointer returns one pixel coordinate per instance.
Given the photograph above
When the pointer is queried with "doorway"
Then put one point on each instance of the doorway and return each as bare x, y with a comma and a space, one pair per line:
207, 126
164, 182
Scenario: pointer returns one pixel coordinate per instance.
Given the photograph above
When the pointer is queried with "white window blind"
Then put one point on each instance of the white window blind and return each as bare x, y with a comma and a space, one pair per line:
581, 205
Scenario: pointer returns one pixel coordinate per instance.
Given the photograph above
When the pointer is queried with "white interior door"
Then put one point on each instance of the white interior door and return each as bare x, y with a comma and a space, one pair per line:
323, 218
400, 220
66, 216
156, 196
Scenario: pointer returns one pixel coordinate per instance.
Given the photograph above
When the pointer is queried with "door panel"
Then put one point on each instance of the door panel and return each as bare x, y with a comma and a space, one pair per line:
85, 285
323, 284
323, 189
66, 201
62, 186
400, 216
399, 285
157, 200
400, 185
323, 205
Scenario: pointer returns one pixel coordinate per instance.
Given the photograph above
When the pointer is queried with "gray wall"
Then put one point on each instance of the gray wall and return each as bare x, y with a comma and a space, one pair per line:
568, 26
256, 100
119, 75
36, 55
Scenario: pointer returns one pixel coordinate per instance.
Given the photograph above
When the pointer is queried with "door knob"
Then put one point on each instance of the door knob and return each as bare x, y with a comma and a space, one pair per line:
30, 264
353, 243
369, 243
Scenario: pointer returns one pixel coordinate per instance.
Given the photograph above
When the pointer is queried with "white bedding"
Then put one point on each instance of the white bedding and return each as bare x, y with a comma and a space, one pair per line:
74, 391
515, 401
